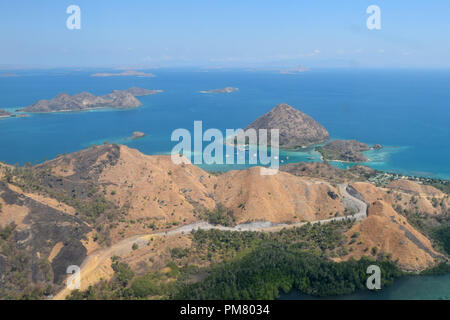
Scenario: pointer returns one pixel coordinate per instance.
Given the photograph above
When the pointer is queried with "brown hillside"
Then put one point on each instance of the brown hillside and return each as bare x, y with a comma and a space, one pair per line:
391, 234
45, 239
415, 188
423, 199
153, 189
276, 198
94, 199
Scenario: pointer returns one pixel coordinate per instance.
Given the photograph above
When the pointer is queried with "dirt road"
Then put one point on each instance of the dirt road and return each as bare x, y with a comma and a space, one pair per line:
95, 266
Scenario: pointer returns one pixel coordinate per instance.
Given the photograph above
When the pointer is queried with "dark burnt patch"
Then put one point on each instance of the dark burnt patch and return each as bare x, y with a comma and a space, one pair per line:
86, 163
354, 193
10, 197
332, 195
43, 228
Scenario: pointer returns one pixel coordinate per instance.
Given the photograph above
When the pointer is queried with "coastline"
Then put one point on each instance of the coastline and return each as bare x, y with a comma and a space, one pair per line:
81, 110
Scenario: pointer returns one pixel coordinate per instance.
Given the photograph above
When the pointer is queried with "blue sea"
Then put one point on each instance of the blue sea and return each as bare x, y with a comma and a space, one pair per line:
407, 111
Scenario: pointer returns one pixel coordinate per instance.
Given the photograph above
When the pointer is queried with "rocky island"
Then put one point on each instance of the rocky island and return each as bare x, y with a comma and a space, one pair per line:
120, 99
297, 129
9, 75
137, 92
224, 90
377, 146
5, 114
128, 73
137, 135
344, 150
298, 69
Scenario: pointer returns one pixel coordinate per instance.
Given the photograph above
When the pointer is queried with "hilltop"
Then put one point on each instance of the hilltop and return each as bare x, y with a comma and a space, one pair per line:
297, 129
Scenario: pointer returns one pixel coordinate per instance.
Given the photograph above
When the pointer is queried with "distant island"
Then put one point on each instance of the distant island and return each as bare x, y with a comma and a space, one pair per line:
224, 90
377, 146
5, 114
128, 73
9, 75
345, 150
298, 69
297, 129
120, 99
137, 135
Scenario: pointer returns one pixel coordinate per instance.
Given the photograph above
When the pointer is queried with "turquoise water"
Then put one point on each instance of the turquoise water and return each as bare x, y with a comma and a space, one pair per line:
407, 288
407, 111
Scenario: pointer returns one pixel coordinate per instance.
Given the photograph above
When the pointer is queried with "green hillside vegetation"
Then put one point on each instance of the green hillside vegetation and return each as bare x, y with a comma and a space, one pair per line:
249, 265
271, 269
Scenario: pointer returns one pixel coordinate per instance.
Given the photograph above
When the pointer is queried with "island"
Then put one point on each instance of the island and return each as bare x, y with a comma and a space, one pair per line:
377, 146
9, 75
297, 129
137, 92
127, 73
344, 150
224, 90
119, 99
298, 69
5, 114
137, 135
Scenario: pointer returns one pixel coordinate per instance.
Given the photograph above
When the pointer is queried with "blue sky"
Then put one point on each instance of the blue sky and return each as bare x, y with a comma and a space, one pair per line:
244, 33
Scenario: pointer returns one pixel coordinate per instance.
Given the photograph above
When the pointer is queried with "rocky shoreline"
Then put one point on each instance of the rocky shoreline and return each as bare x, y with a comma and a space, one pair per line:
118, 99
5, 114
345, 151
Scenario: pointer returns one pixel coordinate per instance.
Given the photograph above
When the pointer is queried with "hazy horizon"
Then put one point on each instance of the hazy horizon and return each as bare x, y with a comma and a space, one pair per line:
250, 34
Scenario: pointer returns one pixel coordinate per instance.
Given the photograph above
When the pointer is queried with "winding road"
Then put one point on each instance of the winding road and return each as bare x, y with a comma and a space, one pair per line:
93, 266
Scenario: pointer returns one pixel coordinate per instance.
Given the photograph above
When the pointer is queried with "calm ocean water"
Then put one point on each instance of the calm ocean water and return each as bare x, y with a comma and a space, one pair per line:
406, 111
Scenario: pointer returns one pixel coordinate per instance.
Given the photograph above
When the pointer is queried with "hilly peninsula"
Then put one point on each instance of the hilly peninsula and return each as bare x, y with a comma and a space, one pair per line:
119, 99
5, 114
131, 221
297, 129
344, 150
